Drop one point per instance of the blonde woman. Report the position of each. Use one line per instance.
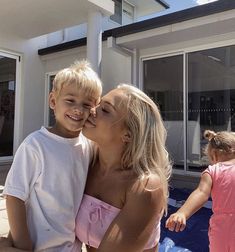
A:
(127, 186)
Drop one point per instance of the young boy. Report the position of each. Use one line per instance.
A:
(46, 181)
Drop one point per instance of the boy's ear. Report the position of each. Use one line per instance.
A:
(126, 138)
(52, 100)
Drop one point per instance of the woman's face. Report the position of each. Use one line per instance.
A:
(108, 126)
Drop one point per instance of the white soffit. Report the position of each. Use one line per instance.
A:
(211, 25)
(32, 18)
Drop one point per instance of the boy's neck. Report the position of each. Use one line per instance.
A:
(63, 132)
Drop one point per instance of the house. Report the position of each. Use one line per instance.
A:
(28, 26)
(184, 60)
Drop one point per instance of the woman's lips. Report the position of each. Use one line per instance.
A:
(89, 123)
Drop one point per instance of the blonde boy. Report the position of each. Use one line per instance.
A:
(45, 184)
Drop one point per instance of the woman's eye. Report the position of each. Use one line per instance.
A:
(87, 106)
(104, 110)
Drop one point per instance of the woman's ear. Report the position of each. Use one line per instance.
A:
(126, 138)
(52, 100)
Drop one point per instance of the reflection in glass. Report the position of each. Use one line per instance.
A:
(163, 82)
(211, 99)
(51, 112)
(7, 105)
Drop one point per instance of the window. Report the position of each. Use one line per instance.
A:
(211, 99)
(205, 100)
(123, 12)
(163, 82)
(117, 16)
(49, 113)
(127, 13)
(7, 104)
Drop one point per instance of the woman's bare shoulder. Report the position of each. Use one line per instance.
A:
(147, 191)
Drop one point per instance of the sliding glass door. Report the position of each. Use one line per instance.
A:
(7, 104)
(195, 91)
(211, 99)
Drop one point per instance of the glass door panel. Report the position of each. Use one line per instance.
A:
(7, 104)
(211, 99)
(163, 82)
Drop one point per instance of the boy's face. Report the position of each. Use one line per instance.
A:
(71, 108)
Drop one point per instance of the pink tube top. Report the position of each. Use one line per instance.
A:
(94, 218)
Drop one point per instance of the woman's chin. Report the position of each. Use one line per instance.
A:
(86, 131)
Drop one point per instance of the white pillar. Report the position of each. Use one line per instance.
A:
(94, 40)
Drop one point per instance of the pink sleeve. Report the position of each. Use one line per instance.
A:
(210, 170)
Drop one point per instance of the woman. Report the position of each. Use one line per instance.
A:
(126, 190)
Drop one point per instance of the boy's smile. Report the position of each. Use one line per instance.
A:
(71, 108)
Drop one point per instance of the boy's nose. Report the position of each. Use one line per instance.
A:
(78, 110)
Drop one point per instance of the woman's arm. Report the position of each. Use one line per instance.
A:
(18, 224)
(195, 201)
(132, 228)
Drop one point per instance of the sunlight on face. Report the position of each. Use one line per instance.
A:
(108, 125)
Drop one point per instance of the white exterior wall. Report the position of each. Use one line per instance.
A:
(115, 68)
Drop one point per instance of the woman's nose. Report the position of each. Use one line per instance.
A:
(93, 111)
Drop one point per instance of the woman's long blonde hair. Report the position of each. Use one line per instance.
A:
(146, 152)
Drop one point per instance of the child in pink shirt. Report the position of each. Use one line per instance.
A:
(218, 180)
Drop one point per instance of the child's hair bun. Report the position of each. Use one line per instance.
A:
(209, 134)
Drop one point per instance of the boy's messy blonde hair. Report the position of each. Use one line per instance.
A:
(80, 74)
(146, 152)
(222, 142)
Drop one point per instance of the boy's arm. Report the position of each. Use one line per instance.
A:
(195, 201)
(18, 223)
(6, 245)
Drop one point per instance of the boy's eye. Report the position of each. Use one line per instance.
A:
(69, 100)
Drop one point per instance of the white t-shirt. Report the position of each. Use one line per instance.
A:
(49, 173)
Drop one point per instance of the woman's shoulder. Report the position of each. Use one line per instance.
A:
(147, 191)
(150, 183)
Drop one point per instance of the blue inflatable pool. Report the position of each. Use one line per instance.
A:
(195, 236)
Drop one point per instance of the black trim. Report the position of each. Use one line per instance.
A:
(63, 46)
(172, 18)
(163, 3)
